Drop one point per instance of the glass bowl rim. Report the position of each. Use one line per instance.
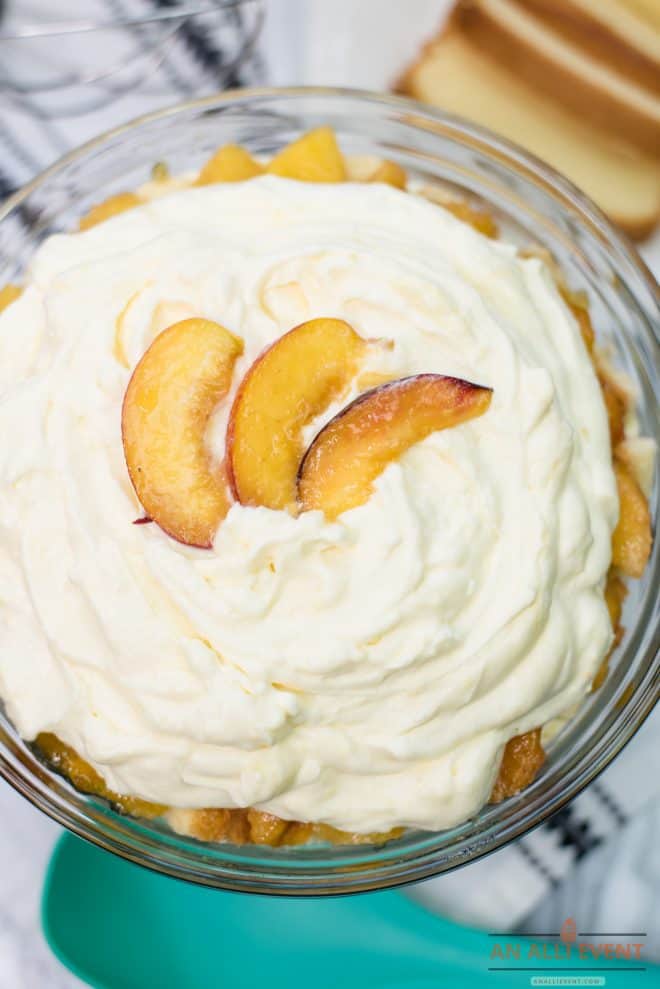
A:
(488, 139)
(123, 837)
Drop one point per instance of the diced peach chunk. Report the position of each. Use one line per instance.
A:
(638, 453)
(391, 174)
(288, 386)
(175, 387)
(238, 830)
(632, 538)
(314, 157)
(266, 829)
(231, 163)
(8, 294)
(109, 207)
(523, 757)
(477, 218)
(481, 221)
(338, 470)
(602, 673)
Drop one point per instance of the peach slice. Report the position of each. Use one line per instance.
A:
(391, 174)
(478, 218)
(300, 833)
(616, 406)
(109, 207)
(175, 387)
(85, 778)
(8, 294)
(615, 594)
(578, 303)
(523, 757)
(288, 385)
(232, 163)
(266, 829)
(632, 538)
(338, 470)
(314, 157)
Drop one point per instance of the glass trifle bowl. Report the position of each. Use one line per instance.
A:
(533, 206)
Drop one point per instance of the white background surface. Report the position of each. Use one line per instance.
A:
(617, 887)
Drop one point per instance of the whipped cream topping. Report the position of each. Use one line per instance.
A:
(365, 672)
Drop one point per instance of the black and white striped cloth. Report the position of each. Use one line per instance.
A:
(498, 892)
(199, 57)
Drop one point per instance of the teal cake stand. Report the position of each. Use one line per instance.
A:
(118, 926)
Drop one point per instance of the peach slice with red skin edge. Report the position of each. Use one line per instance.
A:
(288, 385)
(177, 384)
(340, 466)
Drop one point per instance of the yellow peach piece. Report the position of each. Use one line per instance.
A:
(266, 829)
(578, 303)
(523, 757)
(314, 157)
(231, 163)
(391, 174)
(203, 823)
(616, 405)
(638, 453)
(360, 168)
(288, 386)
(109, 207)
(632, 538)
(8, 294)
(175, 387)
(481, 221)
(586, 327)
(615, 595)
(297, 833)
(238, 830)
(338, 470)
(477, 218)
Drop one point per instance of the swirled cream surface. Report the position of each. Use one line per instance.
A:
(365, 672)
